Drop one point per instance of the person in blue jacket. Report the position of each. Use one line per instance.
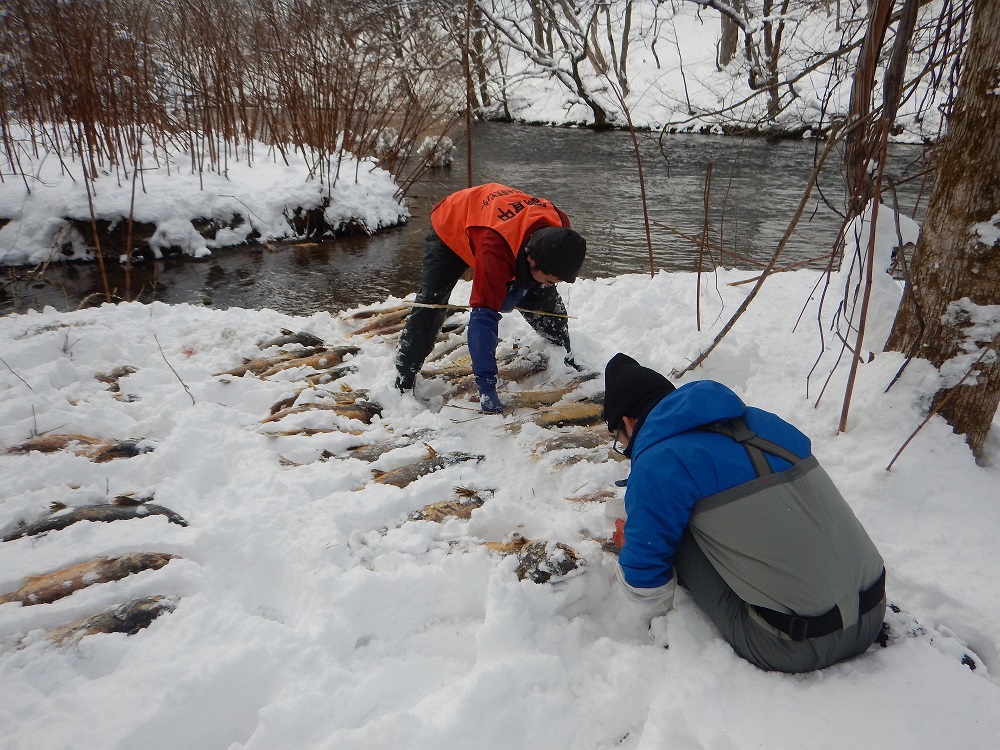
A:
(729, 501)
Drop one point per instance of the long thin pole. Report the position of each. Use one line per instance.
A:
(466, 62)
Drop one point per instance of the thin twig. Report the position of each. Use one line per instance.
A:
(456, 406)
(172, 369)
(16, 375)
(701, 246)
(789, 267)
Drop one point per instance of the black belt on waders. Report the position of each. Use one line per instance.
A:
(795, 627)
(800, 628)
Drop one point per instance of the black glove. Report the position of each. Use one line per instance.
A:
(570, 361)
(404, 382)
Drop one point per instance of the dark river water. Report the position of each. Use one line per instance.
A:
(754, 190)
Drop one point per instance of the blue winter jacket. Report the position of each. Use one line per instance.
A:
(674, 464)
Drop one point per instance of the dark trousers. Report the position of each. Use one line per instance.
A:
(756, 642)
(440, 272)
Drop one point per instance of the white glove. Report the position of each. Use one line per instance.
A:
(655, 602)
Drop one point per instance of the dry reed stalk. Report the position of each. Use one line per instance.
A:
(105, 85)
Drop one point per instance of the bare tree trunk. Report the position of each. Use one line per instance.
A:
(541, 19)
(956, 266)
(478, 53)
(730, 40)
(772, 34)
(863, 141)
(623, 55)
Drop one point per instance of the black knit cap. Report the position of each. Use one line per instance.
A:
(558, 251)
(630, 389)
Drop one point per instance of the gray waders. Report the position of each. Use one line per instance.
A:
(782, 566)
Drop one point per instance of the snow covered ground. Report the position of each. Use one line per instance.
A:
(310, 612)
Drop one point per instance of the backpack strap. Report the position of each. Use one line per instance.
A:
(755, 446)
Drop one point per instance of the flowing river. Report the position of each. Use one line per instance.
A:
(753, 190)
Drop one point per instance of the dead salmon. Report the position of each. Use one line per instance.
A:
(374, 451)
(512, 545)
(508, 364)
(328, 376)
(579, 440)
(547, 397)
(433, 461)
(374, 311)
(98, 450)
(300, 338)
(565, 461)
(344, 396)
(363, 411)
(284, 403)
(513, 367)
(523, 366)
(301, 431)
(545, 562)
(129, 618)
(457, 368)
(259, 364)
(460, 506)
(601, 496)
(104, 513)
(45, 589)
(446, 349)
(540, 561)
(321, 360)
(580, 413)
(389, 330)
(380, 323)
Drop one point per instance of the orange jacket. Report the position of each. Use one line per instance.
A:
(512, 214)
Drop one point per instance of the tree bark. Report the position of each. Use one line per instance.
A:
(862, 141)
(730, 39)
(623, 59)
(953, 260)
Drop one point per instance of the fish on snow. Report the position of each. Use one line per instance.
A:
(431, 462)
(50, 587)
(105, 513)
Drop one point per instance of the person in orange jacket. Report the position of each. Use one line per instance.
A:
(518, 247)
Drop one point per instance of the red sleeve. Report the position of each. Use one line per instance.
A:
(495, 266)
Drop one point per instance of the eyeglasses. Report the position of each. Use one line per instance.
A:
(615, 446)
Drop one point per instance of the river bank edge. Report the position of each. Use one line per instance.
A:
(84, 236)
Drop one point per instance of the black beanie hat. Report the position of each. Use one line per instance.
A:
(630, 389)
(558, 251)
